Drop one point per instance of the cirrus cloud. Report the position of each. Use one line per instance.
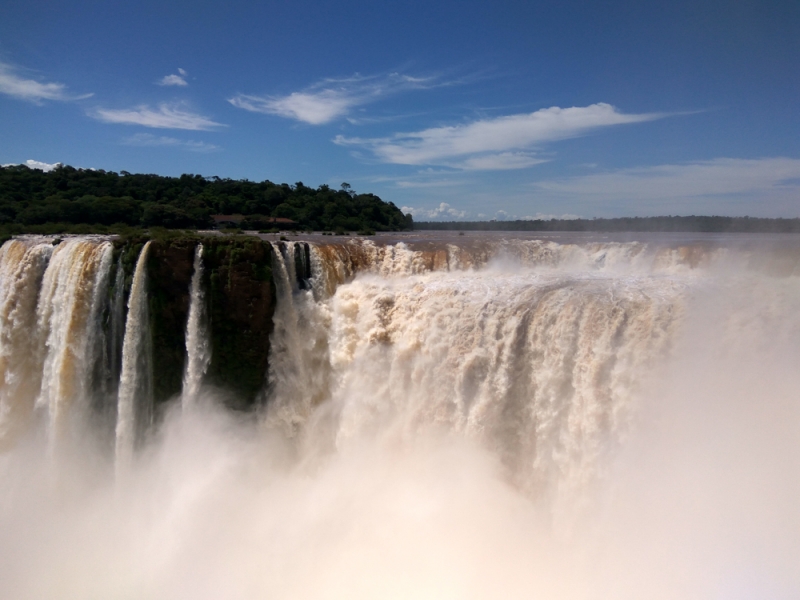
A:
(701, 178)
(11, 84)
(166, 116)
(331, 99)
(150, 140)
(767, 186)
(498, 143)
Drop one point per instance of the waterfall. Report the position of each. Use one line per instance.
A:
(198, 349)
(68, 310)
(539, 364)
(117, 323)
(298, 377)
(22, 266)
(573, 419)
(134, 404)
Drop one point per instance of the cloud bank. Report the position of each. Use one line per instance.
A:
(166, 116)
(35, 164)
(331, 99)
(498, 143)
(18, 87)
(443, 212)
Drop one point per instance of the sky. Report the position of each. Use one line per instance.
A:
(453, 110)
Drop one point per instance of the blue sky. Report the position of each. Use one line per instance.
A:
(452, 109)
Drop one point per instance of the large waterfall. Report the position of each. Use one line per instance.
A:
(480, 416)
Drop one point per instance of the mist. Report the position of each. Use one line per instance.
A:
(649, 452)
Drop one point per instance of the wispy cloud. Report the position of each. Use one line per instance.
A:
(497, 143)
(546, 217)
(35, 164)
(15, 86)
(148, 139)
(331, 99)
(731, 177)
(166, 116)
(179, 79)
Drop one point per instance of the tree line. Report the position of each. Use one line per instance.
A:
(690, 224)
(33, 200)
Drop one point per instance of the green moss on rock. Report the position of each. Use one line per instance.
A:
(240, 304)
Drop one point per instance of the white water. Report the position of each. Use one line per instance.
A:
(68, 310)
(134, 411)
(198, 347)
(541, 365)
(298, 370)
(117, 323)
(22, 267)
(517, 420)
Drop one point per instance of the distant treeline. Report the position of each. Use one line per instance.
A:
(32, 200)
(698, 224)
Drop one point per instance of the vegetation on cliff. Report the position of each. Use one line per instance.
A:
(240, 300)
(66, 198)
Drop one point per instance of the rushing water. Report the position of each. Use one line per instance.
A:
(478, 417)
(134, 410)
(198, 348)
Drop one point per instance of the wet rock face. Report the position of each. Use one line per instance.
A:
(169, 271)
(240, 304)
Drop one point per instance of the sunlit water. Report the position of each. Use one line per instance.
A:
(465, 417)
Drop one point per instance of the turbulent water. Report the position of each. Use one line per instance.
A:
(198, 351)
(476, 417)
(134, 406)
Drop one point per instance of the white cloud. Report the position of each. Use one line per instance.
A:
(165, 117)
(15, 86)
(172, 80)
(444, 210)
(699, 186)
(35, 164)
(314, 109)
(497, 143)
(148, 139)
(331, 99)
(179, 79)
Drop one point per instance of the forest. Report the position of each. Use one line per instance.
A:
(67, 199)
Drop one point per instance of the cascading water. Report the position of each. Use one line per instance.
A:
(134, 404)
(490, 416)
(117, 323)
(70, 302)
(298, 373)
(22, 266)
(539, 365)
(198, 348)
